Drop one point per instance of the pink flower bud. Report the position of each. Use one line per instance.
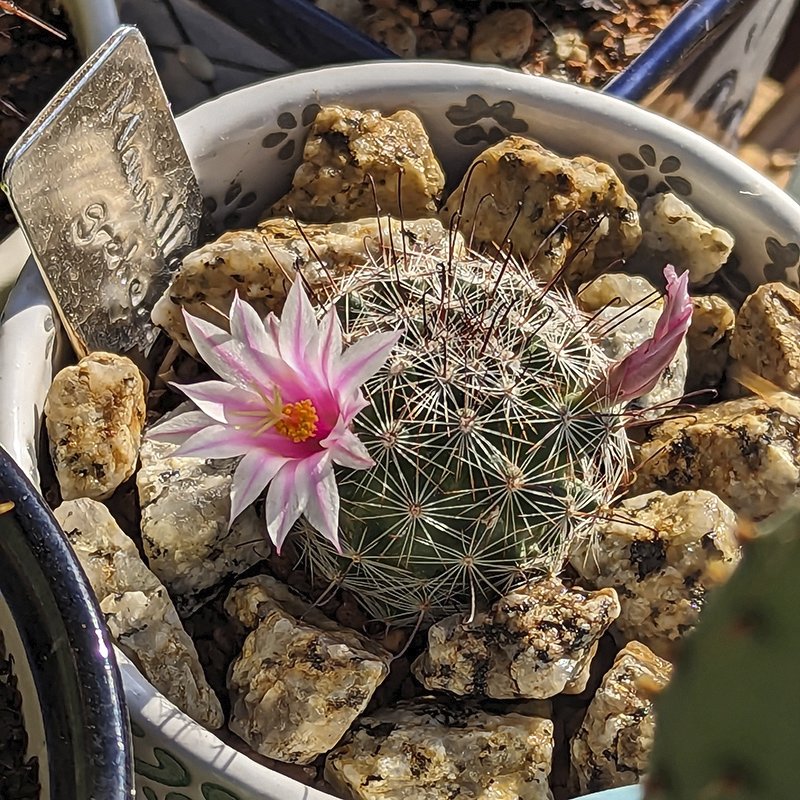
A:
(639, 371)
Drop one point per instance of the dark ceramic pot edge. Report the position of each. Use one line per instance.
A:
(102, 708)
(275, 24)
(697, 23)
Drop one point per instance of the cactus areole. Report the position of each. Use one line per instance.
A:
(468, 407)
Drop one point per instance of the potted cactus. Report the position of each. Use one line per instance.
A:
(438, 398)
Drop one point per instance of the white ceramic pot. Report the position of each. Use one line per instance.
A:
(245, 147)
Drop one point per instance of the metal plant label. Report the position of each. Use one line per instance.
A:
(105, 194)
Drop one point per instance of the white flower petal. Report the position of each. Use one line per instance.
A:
(221, 401)
(244, 367)
(215, 441)
(252, 475)
(272, 326)
(220, 351)
(351, 406)
(346, 448)
(330, 342)
(363, 359)
(286, 499)
(298, 327)
(247, 327)
(179, 428)
(322, 508)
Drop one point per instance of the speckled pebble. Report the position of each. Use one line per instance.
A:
(536, 642)
(708, 342)
(259, 263)
(662, 554)
(349, 11)
(353, 159)
(672, 231)
(618, 290)
(94, 414)
(390, 29)
(766, 339)
(140, 614)
(613, 745)
(185, 511)
(747, 452)
(297, 685)
(435, 751)
(570, 213)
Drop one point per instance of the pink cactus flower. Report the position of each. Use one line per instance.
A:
(287, 396)
(639, 371)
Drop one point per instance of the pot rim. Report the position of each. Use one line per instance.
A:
(456, 77)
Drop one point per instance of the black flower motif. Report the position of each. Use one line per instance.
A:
(475, 134)
(782, 258)
(233, 203)
(287, 134)
(661, 174)
(476, 109)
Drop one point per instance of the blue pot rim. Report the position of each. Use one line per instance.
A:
(698, 23)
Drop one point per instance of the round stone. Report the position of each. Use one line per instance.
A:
(196, 63)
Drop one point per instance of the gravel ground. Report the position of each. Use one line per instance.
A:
(19, 778)
(583, 41)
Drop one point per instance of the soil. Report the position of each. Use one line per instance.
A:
(19, 777)
(34, 65)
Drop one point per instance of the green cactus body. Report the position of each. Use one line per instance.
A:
(490, 454)
(729, 722)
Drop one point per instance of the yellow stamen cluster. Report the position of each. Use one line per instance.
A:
(298, 421)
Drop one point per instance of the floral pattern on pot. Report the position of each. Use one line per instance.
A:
(462, 120)
(157, 769)
(226, 210)
(655, 175)
(783, 258)
(285, 137)
(234, 202)
(475, 109)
